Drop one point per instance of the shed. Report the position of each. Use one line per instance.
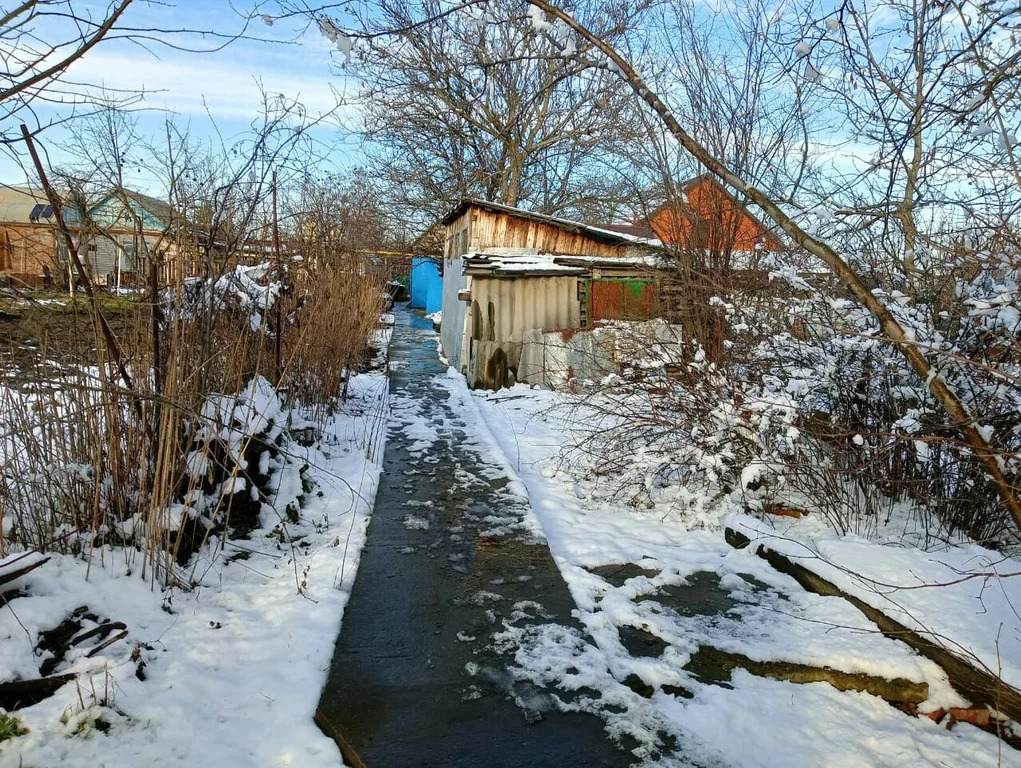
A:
(508, 296)
(520, 264)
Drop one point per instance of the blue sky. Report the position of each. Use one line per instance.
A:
(213, 92)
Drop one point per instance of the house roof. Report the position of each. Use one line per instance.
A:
(18, 203)
(159, 210)
(689, 184)
(598, 234)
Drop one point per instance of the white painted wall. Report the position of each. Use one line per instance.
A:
(452, 323)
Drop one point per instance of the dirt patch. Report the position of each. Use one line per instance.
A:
(51, 335)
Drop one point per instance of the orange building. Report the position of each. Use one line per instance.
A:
(708, 216)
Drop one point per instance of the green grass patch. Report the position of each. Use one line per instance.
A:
(60, 303)
(10, 727)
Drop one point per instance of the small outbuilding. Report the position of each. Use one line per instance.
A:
(512, 298)
(507, 271)
(513, 279)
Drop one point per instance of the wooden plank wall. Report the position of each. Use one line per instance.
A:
(491, 229)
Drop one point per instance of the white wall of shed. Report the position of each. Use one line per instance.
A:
(454, 312)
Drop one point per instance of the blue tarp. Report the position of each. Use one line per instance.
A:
(426, 284)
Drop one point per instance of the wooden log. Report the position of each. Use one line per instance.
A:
(11, 594)
(736, 539)
(17, 573)
(980, 686)
(103, 630)
(897, 690)
(119, 636)
(24, 693)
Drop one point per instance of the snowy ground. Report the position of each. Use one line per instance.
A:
(233, 668)
(965, 596)
(749, 609)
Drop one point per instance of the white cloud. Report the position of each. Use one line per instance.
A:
(226, 83)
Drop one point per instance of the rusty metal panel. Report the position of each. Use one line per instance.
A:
(622, 300)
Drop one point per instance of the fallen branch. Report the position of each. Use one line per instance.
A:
(119, 636)
(897, 690)
(102, 629)
(17, 573)
(25, 693)
(980, 686)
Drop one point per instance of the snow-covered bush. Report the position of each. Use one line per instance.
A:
(810, 409)
(249, 290)
(190, 453)
(77, 474)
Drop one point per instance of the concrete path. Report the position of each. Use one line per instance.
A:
(449, 555)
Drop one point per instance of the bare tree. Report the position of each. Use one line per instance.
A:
(41, 40)
(921, 99)
(460, 102)
(892, 328)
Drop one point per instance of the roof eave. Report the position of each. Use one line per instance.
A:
(601, 236)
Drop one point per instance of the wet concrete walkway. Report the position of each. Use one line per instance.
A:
(449, 558)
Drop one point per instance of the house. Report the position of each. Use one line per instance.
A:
(28, 250)
(705, 215)
(118, 238)
(507, 271)
(125, 233)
